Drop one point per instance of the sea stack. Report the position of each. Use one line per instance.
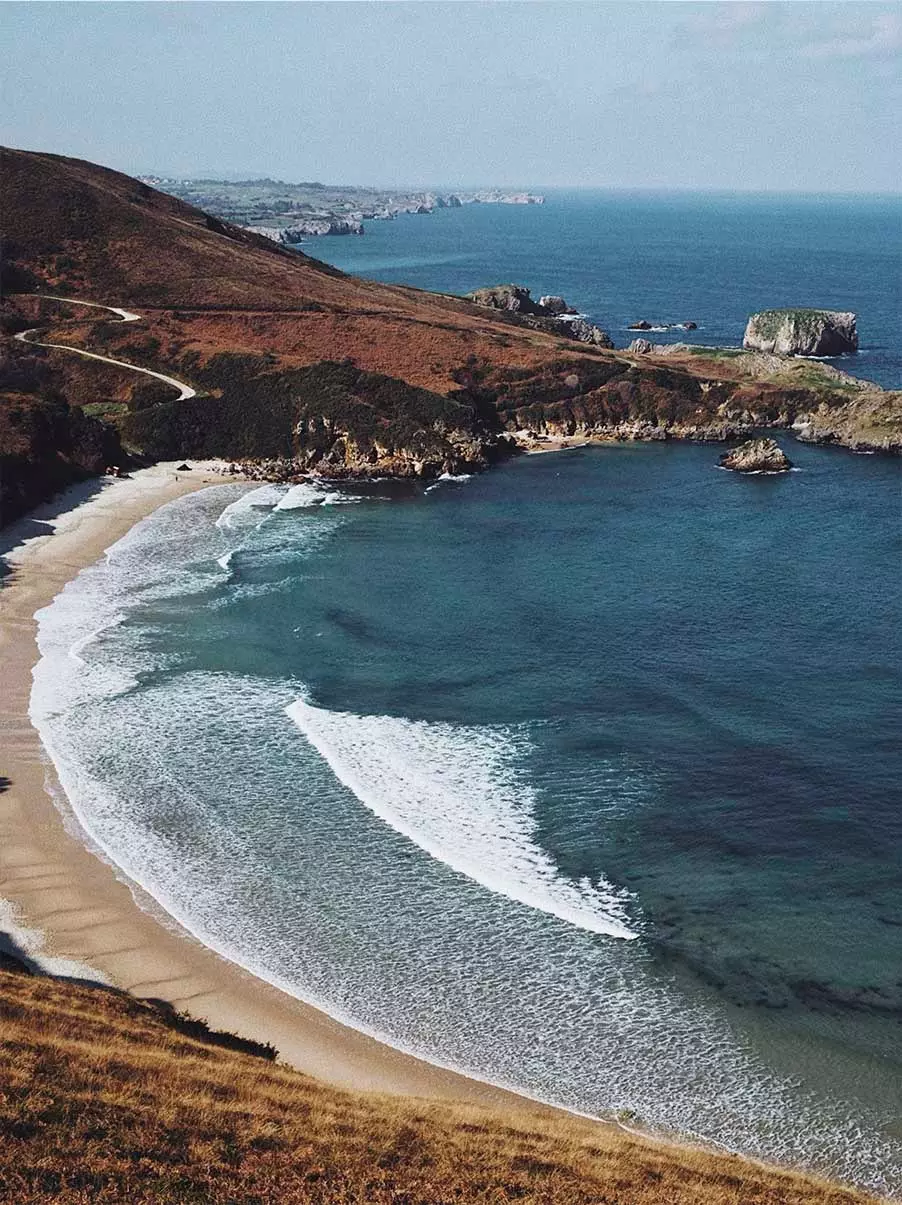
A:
(756, 456)
(802, 332)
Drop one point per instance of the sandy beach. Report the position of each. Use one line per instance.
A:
(66, 907)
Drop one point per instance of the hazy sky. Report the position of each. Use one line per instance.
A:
(669, 94)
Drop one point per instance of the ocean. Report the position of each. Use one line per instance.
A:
(580, 776)
(709, 258)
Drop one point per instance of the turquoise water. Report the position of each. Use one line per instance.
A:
(580, 776)
(666, 257)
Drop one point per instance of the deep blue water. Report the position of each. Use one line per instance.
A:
(709, 258)
(580, 776)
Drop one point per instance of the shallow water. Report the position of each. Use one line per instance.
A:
(579, 776)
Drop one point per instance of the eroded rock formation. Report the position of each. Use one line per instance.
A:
(798, 332)
(756, 456)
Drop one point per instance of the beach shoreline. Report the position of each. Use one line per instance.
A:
(68, 909)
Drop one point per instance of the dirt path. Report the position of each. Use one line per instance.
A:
(185, 391)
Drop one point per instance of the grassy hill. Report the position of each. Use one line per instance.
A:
(104, 1098)
(294, 360)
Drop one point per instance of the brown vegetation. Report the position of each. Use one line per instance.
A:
(205, 288)
(103, 1098)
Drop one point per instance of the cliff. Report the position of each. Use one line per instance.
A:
(802, 332)
(104, 1097)
(330, 417)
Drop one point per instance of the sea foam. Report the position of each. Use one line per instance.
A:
(454, 792)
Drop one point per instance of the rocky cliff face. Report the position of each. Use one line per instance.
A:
(802, 332)
(309, 227)
(330, 418)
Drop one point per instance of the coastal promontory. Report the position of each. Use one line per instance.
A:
(550, 313)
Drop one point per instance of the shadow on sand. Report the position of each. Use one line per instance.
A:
(42, 520)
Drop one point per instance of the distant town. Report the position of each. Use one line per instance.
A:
(291, 213)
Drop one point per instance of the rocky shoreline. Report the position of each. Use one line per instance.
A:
(291, 213)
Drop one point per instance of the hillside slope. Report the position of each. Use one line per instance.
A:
(104, 1098)
(295, 361)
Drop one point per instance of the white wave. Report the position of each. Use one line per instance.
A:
(246, 510)
(307, 494)
(453, 791)
(300, 496)
(346, 499)
(78, 647)
(445, 477)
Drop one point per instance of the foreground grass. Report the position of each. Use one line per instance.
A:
(103, 1099)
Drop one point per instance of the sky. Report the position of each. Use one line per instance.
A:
(801, 96)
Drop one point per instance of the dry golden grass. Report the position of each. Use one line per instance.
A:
(102, 1101)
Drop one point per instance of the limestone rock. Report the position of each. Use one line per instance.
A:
(548, 314)
(802, 332)
(757, 456)
(639, 347)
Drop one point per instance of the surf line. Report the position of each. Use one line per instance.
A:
(447, 790)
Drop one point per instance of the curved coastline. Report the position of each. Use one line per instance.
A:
(97, 922)
(73, 910)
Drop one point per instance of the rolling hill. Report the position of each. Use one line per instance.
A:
(295, 364)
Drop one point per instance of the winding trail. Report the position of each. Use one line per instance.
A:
(185, 391)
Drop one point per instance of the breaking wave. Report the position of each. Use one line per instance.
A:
(454, 792)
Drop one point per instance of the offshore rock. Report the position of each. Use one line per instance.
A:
(757, 456)
(802, 332)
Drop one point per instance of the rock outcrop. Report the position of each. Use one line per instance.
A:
(515, 299)
(549, 313)
(756, 456)
(800, 332)
(644, 325)
(555, 306)
(585, 332)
